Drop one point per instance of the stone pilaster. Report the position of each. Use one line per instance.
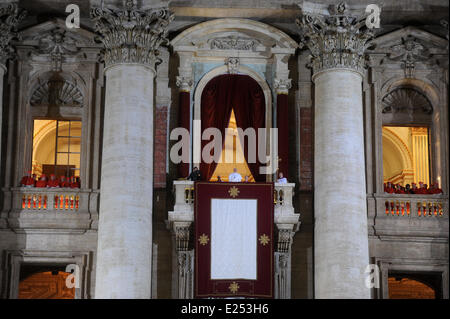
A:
(10, 17)
(337, 42)
(131, 38)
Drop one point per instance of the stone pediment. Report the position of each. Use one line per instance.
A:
(56, 31)
(409, 38)
(231, 35)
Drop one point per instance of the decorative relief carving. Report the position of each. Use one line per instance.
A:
(182, 237)
(337, 40)
(233, 65)
(131, 35)
(282, 86)
(10, 17)
(185, 83)
(284, 240)
(57, 92)
(233, 43)
(409, 52)
(406, 100)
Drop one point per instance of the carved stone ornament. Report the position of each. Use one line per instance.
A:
(57, 92)
(233, 65)
(338, 40)
(233, 43)
(57, 43)
(406, 100)
(184, 83)
(282, 86)
(10, 17)
(409, 52)
(131, 35)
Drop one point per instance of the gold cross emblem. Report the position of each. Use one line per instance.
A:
(234, 287)
(233, 191)
(203, 239)
(264, 239)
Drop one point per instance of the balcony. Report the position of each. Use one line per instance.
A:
(284, 215)
(180, 222)
(407, 216)
(52, 210)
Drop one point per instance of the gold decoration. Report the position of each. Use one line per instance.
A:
(234, 287)
(264, 239)
(203, 239)
(234, 191)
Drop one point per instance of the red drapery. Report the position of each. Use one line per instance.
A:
(242, 94)
(184, 121)
(283, 134)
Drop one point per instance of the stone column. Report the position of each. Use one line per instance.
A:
(10, 17)
(337, 43)
(131, 39)
(184, 115)
(282, 87)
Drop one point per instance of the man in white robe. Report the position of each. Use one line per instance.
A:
(281, 179)
(235, 176)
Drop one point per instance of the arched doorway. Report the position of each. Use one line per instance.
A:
(233, 101)
(414, 286)
(44, 282)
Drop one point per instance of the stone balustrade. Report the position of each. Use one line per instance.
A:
(52, 209)
(409, 217)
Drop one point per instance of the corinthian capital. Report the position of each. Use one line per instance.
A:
(10, 17)
(131, 35)
(184, 83)
(336, 40)
(282, 85)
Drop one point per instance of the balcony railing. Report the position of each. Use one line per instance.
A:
(413, 206)
(50, 208)
(409, 216)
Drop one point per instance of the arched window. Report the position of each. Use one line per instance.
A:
(406, 137)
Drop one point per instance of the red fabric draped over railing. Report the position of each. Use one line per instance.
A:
(242, 94)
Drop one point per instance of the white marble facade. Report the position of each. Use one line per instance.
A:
(137, 243)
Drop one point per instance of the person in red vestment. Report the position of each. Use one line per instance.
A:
(63, 182)
(74, 182)
(42, 182)
(413, 188)
(53, 182)
(389, 188)
(27, 180)
(421, 189)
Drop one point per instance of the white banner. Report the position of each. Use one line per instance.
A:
(233, 239)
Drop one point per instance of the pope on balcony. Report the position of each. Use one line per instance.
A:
(235, 176)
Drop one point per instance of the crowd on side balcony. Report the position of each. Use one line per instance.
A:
(30, 180)
(423, 189)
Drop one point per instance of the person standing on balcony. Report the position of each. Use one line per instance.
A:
(196, 175)
(63, 182)
(235, 176)
(42, 182)
(74, 182)
(281, 179)
(27, 180)
(53, 182)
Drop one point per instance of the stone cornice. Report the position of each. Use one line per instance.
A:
(337, 40)
(10, 17)
(131, 35)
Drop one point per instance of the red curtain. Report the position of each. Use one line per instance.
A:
(283, 134)
(242, 94)
(184, 121)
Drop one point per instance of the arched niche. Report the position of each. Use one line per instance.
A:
(258, 50)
